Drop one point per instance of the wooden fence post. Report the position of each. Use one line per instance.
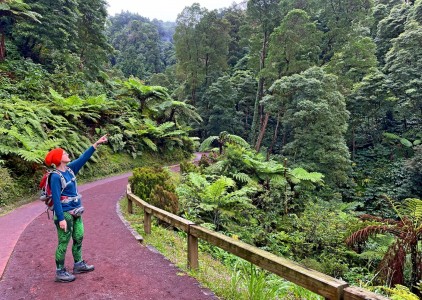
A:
(129, 200)
(192, 252)
(147, 221)
(129, 205)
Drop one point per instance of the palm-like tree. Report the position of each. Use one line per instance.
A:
(407, 233)
(148, 96)
(10, 11)
(222, 139)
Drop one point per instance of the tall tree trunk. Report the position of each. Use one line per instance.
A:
(353, 143)
(270, 150)
(259, 93)
(254, 126)
(262, 132)
(416, 272)
(2, 47)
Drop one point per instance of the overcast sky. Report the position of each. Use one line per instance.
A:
(165, 10)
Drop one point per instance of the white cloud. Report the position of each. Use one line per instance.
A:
(165, 10)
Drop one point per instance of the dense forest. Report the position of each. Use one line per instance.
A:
(312, 111)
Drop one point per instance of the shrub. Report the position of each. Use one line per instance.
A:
(154, 185)
(6, 187)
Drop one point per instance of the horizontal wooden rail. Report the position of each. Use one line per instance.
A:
(319, 283)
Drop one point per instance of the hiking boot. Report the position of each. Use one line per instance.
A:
(63, 276)
(82, 267)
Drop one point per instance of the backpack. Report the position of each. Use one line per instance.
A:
(45, 189)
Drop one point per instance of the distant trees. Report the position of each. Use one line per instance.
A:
(10, 12)
(142, 46)
(315, 120)
(201, 44)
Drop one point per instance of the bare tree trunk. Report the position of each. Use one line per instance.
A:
(353, 144)
(258, 108)
(2, 47)
(270, 150)
(262, 132)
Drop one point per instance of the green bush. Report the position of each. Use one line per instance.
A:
(154, 185)
(6, 187)
(188, 167)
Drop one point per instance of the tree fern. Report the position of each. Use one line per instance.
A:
(242, 177)
(407, 233)
(302, 174)
(149, 143)
(206, 144)
(222, 139)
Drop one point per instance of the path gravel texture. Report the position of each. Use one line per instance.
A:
(124, 268)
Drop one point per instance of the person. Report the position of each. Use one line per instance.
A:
(68, 208)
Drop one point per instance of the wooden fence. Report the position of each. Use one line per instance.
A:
(319, 283)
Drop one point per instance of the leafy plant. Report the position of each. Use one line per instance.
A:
(407, 233)
(222, 139)
(154, 185)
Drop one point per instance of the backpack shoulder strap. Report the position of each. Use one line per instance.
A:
(62, 179)
(71, 172)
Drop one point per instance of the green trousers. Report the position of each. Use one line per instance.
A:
(75, 230)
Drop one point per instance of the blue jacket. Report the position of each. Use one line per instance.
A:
(71, 189)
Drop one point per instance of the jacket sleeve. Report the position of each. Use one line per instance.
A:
(56, 190)
(78, 163)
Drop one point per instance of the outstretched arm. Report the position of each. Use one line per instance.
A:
(100, 141)
(78, 163)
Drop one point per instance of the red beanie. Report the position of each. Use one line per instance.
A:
(54, 157)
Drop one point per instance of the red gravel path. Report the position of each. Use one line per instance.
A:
(124, 269)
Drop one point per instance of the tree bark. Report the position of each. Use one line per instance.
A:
(258, 109)
(270, 150)
(262, 132)
(2, 47)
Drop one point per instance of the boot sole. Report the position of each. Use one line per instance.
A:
(64, 280)
(80, 272)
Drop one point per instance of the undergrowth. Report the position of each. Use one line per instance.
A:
(235, 279)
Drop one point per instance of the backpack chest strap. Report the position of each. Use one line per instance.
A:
(66, 199)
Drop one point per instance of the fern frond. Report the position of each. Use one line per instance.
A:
(197, 180)
(302, 174)
(206, 144)
(363, 235)
(242, 177)
(237, 140)
(150, 144)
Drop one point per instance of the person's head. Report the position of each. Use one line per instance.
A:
(56, 157)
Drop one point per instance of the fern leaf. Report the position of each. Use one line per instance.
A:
(242, 177)
(206, 144)
(150, 144)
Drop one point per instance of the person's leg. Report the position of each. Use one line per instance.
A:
(80, 265)
(63, 241)
(77, 236)
(63, 238)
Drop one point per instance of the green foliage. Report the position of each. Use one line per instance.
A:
(188, 167)
(222, 139)
(142, 46)
(155, 186)
(201, 42)
(316, 237)
(300, 40)
(217, 202)
(6, 187)
(400, 292)
(317, 119)
(406, 233)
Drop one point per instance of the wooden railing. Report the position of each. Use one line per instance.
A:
(319, 283)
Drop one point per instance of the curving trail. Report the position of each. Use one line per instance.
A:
(124, 268)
